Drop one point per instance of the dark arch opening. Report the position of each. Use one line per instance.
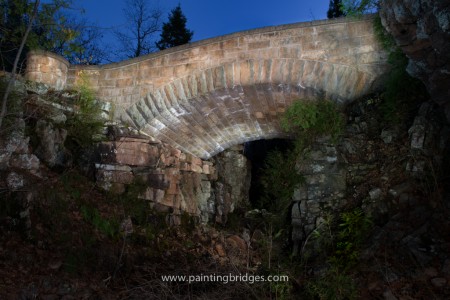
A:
(257, 152)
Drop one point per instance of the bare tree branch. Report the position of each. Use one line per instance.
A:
(144, 22)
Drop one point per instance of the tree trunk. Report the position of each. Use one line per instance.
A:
(16, 62)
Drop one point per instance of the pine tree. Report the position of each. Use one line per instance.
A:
(335, 9)
(174, 32)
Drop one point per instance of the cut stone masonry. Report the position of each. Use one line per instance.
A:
(207, 96)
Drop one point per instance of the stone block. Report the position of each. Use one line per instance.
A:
(205, 169)
(168, 200)
(175, 152)
(300, 193)
(153, 194)
(237, 242)
(173, 188)
(130, 153)
(295, 213)
(24, 161)
(108, 167)
(213, 175)
(113, 187)
(156, 180)
(185, 166)
(196, 168)
(258, 45)
(115, 176)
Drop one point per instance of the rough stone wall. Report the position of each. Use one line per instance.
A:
(233, 183)
(324, 189)
(207, 96)
(374, 167)
(422, 30)
(175, 182)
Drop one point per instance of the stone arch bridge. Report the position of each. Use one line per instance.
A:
(209, 95)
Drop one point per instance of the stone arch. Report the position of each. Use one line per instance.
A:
(206, 96)
(210, 110)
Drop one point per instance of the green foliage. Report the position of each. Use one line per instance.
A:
(335, 9)
(334, 285)
(382, 36)
(352, 233)
(340, 244)
(53, 30)
(355, 8)
(308, 119)
(281, 290)
(107, 227)
(174, 32)
(85, 123)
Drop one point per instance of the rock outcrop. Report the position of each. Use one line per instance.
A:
(380, 169)
(421, 28)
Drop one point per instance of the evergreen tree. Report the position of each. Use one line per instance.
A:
(174, 32)
(335, 9)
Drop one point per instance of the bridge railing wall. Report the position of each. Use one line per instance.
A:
(47, 67)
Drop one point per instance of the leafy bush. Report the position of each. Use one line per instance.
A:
(334, 285)
(340, 244)
(308, 119)
(85, 123)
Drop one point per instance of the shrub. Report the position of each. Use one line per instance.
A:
(308, 119)
(340, 244)
(85, 123)
(333, 285)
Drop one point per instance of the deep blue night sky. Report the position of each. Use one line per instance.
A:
(210, 18)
